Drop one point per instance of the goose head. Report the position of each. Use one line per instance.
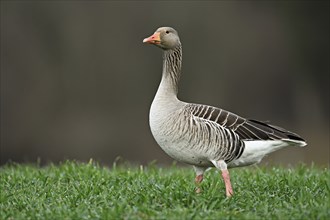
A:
(164, 37)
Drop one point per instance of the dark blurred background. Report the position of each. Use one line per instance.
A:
(77, 82)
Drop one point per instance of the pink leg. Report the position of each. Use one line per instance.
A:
(199, 177)
(226, 178)
(221, 165)
(198, 180)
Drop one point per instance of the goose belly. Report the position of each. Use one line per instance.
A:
(177, 140)
(183, 151)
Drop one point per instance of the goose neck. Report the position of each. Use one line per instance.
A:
(172, 60)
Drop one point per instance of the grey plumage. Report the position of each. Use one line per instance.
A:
(203, 135)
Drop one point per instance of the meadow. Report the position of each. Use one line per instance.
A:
(74, 190)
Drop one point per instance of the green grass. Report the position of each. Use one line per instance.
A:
(74, 190)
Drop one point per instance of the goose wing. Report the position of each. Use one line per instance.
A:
(246, 129)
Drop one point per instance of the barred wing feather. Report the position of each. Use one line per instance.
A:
(247, 129)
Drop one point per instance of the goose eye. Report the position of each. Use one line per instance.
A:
(167, 32)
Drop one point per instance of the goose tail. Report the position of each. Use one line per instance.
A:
(292, 142)
(255, 150)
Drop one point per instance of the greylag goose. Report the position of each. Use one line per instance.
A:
(201, 135)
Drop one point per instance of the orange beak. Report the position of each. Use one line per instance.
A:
(153, 39)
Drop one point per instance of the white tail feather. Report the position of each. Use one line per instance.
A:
(255, 150)
(295, 142)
